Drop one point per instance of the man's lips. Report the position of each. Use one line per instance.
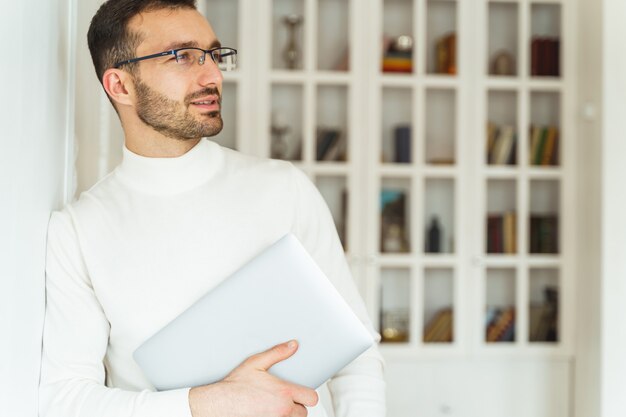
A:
(210, 103)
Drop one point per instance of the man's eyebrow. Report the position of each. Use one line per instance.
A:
(178, 45)
(190, 44)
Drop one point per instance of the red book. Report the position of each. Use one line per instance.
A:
(557, 57)
(534, 57)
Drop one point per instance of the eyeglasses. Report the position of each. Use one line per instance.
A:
(224, 58)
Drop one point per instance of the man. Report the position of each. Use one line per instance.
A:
(176, 217)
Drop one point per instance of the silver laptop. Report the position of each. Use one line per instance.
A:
(279, 295)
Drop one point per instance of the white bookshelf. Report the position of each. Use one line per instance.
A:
(447, 176)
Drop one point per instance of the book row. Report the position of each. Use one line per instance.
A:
(502, 233)
(499, 323)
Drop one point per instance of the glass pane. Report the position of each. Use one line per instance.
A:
(544, 216)
(502, 128)
(395, 216)
(545, 117)
(395, 305)
(441, 37)
(438, 306)
(439, 203)
(545, 42)
(440, 127)
(224, 18)
(398, 38)
(543, 320)
(286, 122)
(503, 39)
(397, 134)
(332, 123)
(500, 308)
(333, 35)
(501, 217)
(288, 23)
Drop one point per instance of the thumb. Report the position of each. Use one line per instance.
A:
(265, 360)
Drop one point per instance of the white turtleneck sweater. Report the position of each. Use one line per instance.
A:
(144, 243)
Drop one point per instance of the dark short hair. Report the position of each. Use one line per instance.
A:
(110, 41)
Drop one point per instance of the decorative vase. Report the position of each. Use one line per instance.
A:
(292, 53)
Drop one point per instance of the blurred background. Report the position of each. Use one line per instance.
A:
(469, 150)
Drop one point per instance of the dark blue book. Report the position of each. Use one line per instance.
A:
(403, 144)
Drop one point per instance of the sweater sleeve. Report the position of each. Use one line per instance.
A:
(76, 333)
(359, 389)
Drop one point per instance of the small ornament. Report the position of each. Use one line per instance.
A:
(503, 64)
(292, 53)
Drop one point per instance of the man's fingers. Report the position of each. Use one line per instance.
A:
(265, 360)
(305, 396)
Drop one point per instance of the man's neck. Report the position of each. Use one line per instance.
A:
(160, 147)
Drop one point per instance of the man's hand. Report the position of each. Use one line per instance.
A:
(250, 391)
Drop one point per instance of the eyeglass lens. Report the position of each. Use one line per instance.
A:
(224, 58)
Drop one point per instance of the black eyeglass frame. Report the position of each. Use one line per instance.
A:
(174, 52)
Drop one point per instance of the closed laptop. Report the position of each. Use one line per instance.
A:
(279, 295)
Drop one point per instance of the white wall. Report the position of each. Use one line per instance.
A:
(98, 131)
(613, 291)
(601, 358)
(36, 119)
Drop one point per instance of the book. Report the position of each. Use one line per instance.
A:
(543, 320)
(513, 153)
(504, 145)
(500, 328)
(544, 233)
(535, 139)
(534, 56)
(538, 155)
(543, 145)
(397, 61)
(545, 56)
(445, 54)
(326, 138)
(402, 139)
(509, 232)
(451, 44)
(492, 134)
(549, 146)
(494, 233)
(444, 330)
(439, 328)
(336, 152)
(557, 56)
(535, 323)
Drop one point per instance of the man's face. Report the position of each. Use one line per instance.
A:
(178, 102)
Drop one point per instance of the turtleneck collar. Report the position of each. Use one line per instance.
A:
(171, 175)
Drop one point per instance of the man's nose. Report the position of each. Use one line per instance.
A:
(209, 73)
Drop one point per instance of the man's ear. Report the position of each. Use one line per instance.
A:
(118, 84)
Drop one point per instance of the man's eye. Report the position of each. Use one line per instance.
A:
(183, 57)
